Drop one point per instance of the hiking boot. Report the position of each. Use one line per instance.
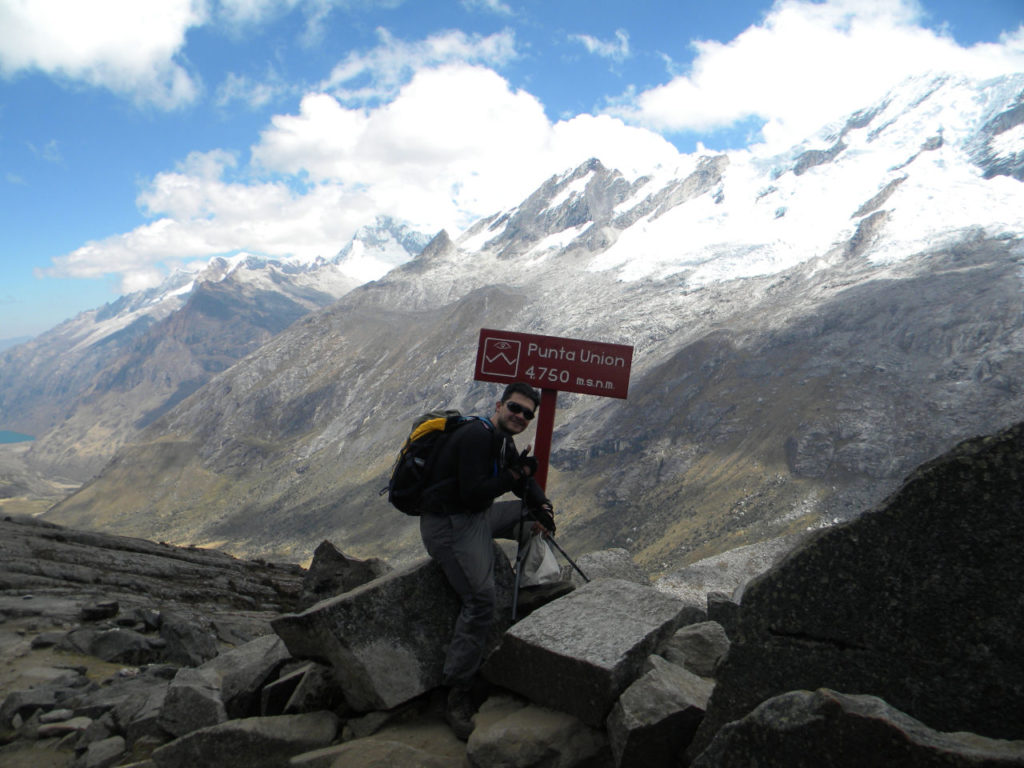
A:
(459, 712)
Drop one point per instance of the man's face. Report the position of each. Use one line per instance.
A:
(507, 419)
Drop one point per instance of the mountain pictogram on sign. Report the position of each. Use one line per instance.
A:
(501, 357)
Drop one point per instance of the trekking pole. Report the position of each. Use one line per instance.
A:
(520, 556)
(571, 561)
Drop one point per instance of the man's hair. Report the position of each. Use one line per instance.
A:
(522, 388)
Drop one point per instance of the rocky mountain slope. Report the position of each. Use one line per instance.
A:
(807, 328)
(88, 385)
(894, 635)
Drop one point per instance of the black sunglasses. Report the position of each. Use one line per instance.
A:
(522, 410)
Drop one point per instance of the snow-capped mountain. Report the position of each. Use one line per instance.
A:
(93, 381)
(937, 156)
(807, 328)
(376, 249)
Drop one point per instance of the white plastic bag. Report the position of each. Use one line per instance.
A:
(539, 563)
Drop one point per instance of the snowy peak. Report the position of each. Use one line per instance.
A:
(376, 249)
(935, 156)
(372, 251)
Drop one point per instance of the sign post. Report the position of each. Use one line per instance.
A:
(553, 364)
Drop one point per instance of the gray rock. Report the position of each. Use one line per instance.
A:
(242, 671)
(193, 701)
(189, 643)
(656, 717)
(697, 647)
(255, 742)
(50, 729)
(917, 602)
(367, 725)
(123, 646)
(97, 730)
(370, 753)
(579, 653)
(52, 560)
(133, 701)
(725, 611)
(274, 695)
(332, 572)
(23, 704)
(532, 736)
(727, 572)
(98, 611)
(144, 723)
(103, 754)
(606, 564)
(801, 729)
(235, 630)
(56, 715)
(47, 639)
(386, 640)
(316, 690)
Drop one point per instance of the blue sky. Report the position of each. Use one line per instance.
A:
(139, 137)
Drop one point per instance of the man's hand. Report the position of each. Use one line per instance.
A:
(545, 515)
(527, 464)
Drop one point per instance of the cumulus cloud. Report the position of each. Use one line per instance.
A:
(376, 75)
(199, 211)
(456, 143)
(429, 132)
(616, 50)
(809, 63)
(126, 46)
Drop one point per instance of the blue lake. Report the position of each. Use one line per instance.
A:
(14, 437)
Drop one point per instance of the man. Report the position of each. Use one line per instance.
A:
(460, 521)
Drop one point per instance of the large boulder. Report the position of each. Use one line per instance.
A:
(387, 639)
(802, 729)
(192, 702)
(254, 742)
(241, 672)
(332, 572)
(657, 716)
(697, 647)
(532, 736)
(917, 602)
(579, 653)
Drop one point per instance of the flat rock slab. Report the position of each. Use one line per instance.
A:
(803, 729)
(255, 742)
(578, 654)
(386, 640)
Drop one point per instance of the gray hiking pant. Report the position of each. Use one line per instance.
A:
(462, 544)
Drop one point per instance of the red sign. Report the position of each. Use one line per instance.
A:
(552, 362)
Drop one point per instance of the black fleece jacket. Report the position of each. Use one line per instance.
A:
(473, 469)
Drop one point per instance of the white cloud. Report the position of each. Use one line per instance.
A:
(375, 76)
(493, 6)
(198, 213)
(50, 152)
(809, 63)
(616, 50)
(260, 11)
(126, 46)
(253, 93)
(456, 143)
(426, 132)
